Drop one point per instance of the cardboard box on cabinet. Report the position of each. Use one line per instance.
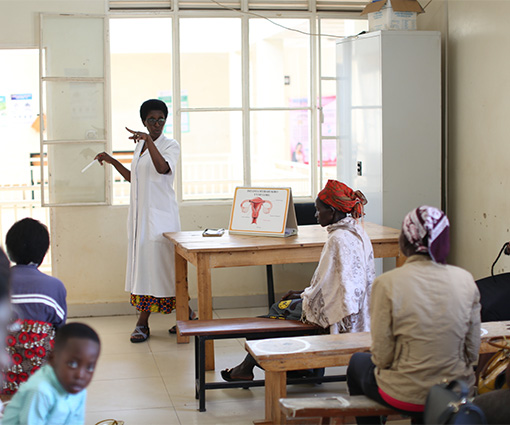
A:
(392, 14)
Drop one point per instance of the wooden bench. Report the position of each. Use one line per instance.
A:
(277, 357)
(310, 352)
(246, 327)
(333, 410)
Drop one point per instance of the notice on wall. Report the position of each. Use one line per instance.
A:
(263, 211)
(22, 108)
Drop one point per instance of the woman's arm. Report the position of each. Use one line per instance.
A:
(473, 334)
(104, 157)
(383, 340)
(158, 160)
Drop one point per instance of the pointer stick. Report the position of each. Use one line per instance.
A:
(88, 166)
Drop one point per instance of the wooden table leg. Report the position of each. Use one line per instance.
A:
(400, 259)
(205, 302)
(181, 294)
(276, 388)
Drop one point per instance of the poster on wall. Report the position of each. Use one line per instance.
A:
(263, 211)
(22, 108)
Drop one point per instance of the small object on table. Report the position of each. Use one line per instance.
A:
(213, 232)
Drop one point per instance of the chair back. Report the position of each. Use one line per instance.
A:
(495, 297)
(305, 213)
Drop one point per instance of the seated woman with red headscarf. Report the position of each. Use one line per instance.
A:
(425, 322)
(337, 298)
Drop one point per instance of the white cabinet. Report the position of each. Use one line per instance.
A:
(389, 120)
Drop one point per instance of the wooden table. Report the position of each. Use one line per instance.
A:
(207, 253)
(277, 356)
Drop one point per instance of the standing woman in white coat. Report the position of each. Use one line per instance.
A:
(150, 272)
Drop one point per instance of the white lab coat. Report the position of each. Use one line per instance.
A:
(153, 210)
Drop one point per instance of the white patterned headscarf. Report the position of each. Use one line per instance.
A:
(428, 230)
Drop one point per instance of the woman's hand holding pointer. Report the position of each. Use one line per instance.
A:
(104, 157)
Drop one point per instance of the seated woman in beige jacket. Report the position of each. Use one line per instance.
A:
(425, 322)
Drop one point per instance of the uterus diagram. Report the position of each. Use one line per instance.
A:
(256, 205)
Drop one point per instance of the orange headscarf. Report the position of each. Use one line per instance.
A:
(343, 198)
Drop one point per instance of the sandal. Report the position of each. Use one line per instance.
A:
(139, 335)
(173, 329)
(110, 422)
(226, 374)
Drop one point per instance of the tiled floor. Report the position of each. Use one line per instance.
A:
(152, 382)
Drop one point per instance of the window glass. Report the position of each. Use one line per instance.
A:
(212, 155)
(141, 69)
(72, 185)
(74, 110)
(279, 62)
(210, 52)
(280, 150)
(332, 30)
(327, 145)
(74, 46)
(73, 105)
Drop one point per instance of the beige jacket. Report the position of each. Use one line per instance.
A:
(425, 325)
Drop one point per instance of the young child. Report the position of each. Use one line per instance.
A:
(56, 393)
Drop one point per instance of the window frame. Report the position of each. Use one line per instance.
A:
(176, 13)
(104, 80)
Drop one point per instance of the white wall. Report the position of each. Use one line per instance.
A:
(89, 255)
(475, 34)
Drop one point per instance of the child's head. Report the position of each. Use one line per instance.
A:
(27, 241)
(74, 356)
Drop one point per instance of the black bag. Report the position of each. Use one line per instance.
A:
(495, 294)
(286, 310)
(448, 404)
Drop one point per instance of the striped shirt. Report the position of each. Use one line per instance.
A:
(37, 296)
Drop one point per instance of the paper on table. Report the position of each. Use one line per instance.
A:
(88, 166)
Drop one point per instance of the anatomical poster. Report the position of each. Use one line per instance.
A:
(263, 211)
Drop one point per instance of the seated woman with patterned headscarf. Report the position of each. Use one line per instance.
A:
(337, 298)
(425, 322)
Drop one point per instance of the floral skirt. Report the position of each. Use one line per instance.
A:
(28, 346)
(153, 304)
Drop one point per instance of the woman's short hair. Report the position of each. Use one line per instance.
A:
(152, 105)
(74, 330)
(27, 241)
